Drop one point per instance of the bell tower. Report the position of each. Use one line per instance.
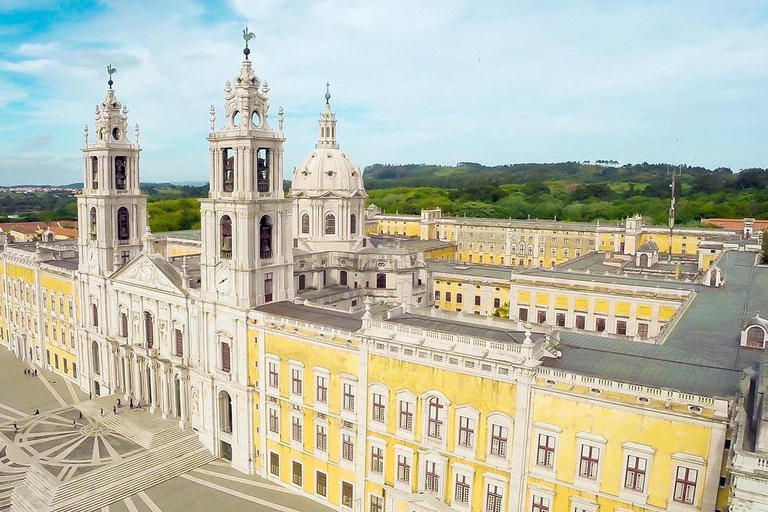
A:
(112, 211)
(247, 258)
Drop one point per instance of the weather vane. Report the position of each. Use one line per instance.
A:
(111, 72)
(247, 36)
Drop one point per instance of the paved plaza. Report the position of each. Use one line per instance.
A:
(70, 439)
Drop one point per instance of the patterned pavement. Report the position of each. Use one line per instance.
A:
(67, 452)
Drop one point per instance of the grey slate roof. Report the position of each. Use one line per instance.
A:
(473, 270)
(311, 314)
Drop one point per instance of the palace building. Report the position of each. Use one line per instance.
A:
(381, 362)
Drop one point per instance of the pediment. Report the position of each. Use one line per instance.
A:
(144, 272)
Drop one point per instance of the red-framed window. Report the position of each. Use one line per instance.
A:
(494, 498)
(297, 381)
(377, 460)
(274, 376)
(349, 397)
(545, 454)
(405, 415)
(321, 389)
(466, 431)
(379, 408)
(403, 469)
(434, 418)
(589, 461)
(499, 436)
(225, 358)
(461, 493)
(540, 504)
(685, 485)
(634, 478)
(432, 478)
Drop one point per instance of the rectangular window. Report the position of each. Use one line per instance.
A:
(274, 421)
(599, 324)
(321, 438)
(522, 314)
(540, 504)
(621, 327)
(347, 491)
(685, 485)
(297, 383)
(123, 325)
(377, 504)
(403, 469)
(379, 408)
(179, 343)
(297, 476)
(560, 319)
(274, 464)
(466, 431)
(642, 331)
(296, 429)
(268, 287)
(462, 489)
(225, 362)
(349, 397)
(434, 419)
(581, 321)
(589, 461)
(477, 300)
(494, 499)
(347, 447)
(321, 389)
(459, 298)
(321, 483)
(541, 317)
(634, 478)
(274, 378)
(377, 460)
(499, 435)
(545, 455)
(432, 479)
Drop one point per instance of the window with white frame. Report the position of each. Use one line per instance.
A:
(377, 503)
(348, 397)
(686, 483)
(545, 452)
(377, 459)
(321, 437)
(589, 460)
(539, 504)
(405, 415)
(321, 386)
(274, 419)
(297, 381)
(404, 462)
(467, 418)
(431, 477)
(494, 497)
(461, 489)
(347, 446)
(435, 411)
(466, 431)
(637, 461)
(499, 427)
(273, 375)
(297, 428)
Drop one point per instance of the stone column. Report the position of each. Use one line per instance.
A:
(165, 408)
(127, 369)
(152, 388)
(183, 380)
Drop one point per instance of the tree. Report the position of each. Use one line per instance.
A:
(765, 246)
(502, 311)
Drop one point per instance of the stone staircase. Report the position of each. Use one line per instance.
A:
(168, 452)
(11, 475)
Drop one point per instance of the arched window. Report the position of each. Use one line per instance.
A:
(262, 170)
(447, 296)
(265, 237)
(305, 224)
(95, 358)
(149, 329)
(225, 227)
(121, 181)
(755, 337)
(330, 224)
(434, 418)
(95, 172)
(225, 412)
(93, 223)
(123, 226)
(353, 223)
(228, 170)
(95, 315)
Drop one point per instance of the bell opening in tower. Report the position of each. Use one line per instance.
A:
(225, 226)
(94, 172)
(123, 225)
(120, 174)
(229, 170)
(93, 223)
(262, 170)
(265, 237)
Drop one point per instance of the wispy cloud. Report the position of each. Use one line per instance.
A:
(412, 81)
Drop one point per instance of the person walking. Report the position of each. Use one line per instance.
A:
(80, 416)
(15, 427)
(114, 409)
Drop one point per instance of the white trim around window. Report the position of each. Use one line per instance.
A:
(347, 407)
(580, 504)
(499, 438)
(431, 462)
(380, 444)
(409, 399)
(319, 372)
(407, 454)
(635, 472)
(685, 461)
(498, 485)
(466, 423)
(592, 442)
(377, 415)
(272, 359)
(466, 475)
(296, 369)
(320, 423)
(550, 434)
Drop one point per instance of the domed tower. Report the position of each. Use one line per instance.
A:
(328, 193)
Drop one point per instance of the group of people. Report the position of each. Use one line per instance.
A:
(30, 371)
(118, 405)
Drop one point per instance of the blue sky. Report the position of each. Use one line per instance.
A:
(412, 80)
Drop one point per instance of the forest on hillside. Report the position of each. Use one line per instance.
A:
(572, 191)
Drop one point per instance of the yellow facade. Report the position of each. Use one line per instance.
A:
(60, 317)
(460, 294)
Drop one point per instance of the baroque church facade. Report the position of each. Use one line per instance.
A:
(304, 351)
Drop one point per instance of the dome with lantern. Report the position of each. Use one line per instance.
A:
(327, 171)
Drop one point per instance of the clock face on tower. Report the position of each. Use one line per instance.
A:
(223, 277)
